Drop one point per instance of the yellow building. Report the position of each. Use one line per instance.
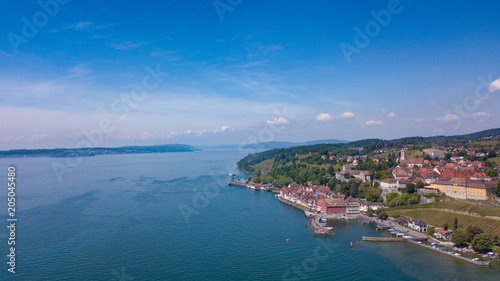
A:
(466, 189)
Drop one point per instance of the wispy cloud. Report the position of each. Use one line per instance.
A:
(82, 25)
(448, 118)
(77, 26)
(277, 121)
(127, 46)
(5, 54)
(373, 123)
(479, 114)
(392, 114)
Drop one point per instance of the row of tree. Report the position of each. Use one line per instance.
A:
(475, 236)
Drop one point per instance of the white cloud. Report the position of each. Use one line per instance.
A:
(448, 118)
(392, 114)
(323, 117)
(373, 123)
(420, 120)
(495, 85)
(38, 137)
(188, 132)
(479, 114)
(82, 25)
(200, 133)
(347, 114)
(278, 121)
(224, 128)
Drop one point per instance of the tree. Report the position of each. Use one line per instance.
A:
(384, 174)
(256, 178)
(492, 154)
(472, 231)
(330, 170)
(420, 184)
(482, 242)
(497, 190)
(455, 224)
(458, 237)
(382, 214)
(445, 226)
(491, 172)
(410, 188)
(430, 231)
(447, 156)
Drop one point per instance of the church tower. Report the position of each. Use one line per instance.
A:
(403, 154)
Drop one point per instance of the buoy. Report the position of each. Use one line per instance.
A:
(287, 240)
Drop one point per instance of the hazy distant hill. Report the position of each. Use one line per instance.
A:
(74, 152)
(368, 145)
(287, 144)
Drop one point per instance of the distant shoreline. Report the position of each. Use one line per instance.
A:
(89, 152)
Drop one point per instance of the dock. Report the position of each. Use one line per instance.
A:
(384, 239)
(235, 183)
(414, 242)
(478, 263)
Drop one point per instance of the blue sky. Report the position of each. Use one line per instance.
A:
(245, 71)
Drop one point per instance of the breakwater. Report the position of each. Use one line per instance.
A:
(478, 263)
(398, 239)
(384, 239)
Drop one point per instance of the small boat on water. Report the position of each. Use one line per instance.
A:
(287, 240)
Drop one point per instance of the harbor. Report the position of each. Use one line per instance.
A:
(317, 222)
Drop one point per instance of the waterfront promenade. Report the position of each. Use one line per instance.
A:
(416, 237)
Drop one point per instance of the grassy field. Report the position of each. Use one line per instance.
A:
(438, 218)
(488, 143)
(479, 208)
(430, 150)
(474, 207)
(496, 160)
(264, 164)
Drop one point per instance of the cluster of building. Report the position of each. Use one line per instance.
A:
(321, 199)
(421, 226)
(459, 178)
(346, 173)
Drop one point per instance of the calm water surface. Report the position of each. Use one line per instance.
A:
(172, 217)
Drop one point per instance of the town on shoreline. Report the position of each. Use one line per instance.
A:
(440, 196)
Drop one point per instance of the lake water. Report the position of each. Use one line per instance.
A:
(172, 216)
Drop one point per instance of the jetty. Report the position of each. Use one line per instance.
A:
(478, 263)
(417, 241)
(237, 183)
(384, 239)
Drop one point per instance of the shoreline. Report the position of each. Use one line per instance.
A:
(416, 236)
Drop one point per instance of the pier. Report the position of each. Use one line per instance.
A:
(240, 184)
(478, 263)
(384, 239)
